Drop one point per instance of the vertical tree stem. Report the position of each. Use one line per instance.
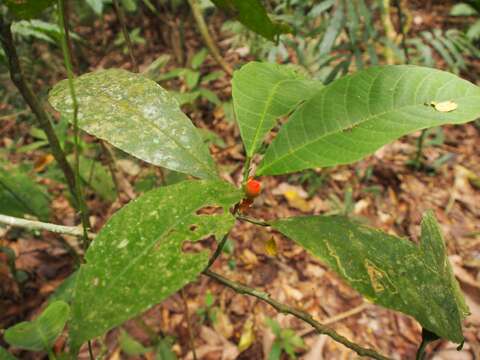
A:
(202, 27)
(401, 24)
(18, 78)
(68, 66)
(126, 35)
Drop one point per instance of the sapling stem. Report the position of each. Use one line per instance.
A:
(123, 24)
(18, 78)
(203, 28)
(68, 65)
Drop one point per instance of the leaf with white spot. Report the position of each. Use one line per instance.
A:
(136, 115)
(136, 260)
(387, 270)
(357, 114)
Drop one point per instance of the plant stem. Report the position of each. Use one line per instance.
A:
(68, 64)
(421, 350)
(253, 221)
(51, 355)
(389, 30)
(417, 162)
(401, 23)
(90, 350)
(203, 28)
(285, 309)
(246, 169)
(33, 102)
(38, 225)
(218, 250)
(126, 35)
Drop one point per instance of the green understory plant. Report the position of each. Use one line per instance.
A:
(137, 259)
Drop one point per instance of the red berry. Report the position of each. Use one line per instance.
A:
(253, 188)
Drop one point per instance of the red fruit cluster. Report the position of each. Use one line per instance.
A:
(252, 188)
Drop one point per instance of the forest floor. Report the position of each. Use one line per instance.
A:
(382, 191)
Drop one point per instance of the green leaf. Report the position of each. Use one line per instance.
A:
(262, 92)
(5, 355)
(20, 195)
(253, 15)
(96, 6)
(387, 270)
(137, 116)
(27, 9)
(130, 346)
(199, 58)
(41, 333)
(356, 115)
(97, 176)
(463, 9)
(136, 260)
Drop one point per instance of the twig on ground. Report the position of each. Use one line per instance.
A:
(285, 309)
(331, 320)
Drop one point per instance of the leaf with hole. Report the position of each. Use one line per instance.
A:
(387, 270)
(262, 92)
(41, 333)
(136, 260)
(138, 116)
(356, 115)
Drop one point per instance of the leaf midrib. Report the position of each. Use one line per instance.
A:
(264, 113)
(291, 151)
(191, 154)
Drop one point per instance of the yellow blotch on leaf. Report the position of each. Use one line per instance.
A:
(444, 106)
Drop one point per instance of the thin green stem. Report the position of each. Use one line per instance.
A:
(253, 221)
(68, 65)
(285, 309)
(421, 350)
(401, 23)
(18, 78)
(218, 250)
(420, 142)
(90, 350)
(51, 355)
(246, 169)
(126, 35)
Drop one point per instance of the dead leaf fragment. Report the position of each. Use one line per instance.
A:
(271, 248)
(444, 106)
(248, 336)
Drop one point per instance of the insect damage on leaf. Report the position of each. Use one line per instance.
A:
(444, 106)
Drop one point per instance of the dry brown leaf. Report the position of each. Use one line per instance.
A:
(223, 325)
(295, 195)
(43, 162)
